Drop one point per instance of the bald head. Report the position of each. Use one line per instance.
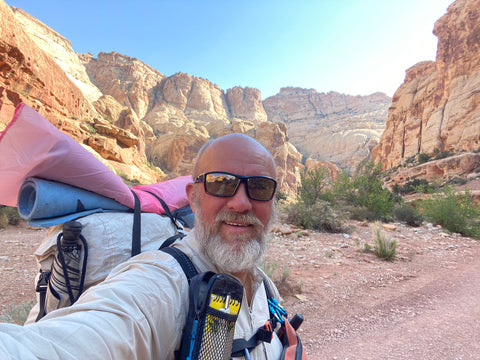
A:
(237, 150)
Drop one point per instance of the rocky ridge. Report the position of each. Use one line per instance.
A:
(124, 111)
(333, 127)
(133, 116)
(437, 108)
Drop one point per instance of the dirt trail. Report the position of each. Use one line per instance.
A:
(423, 305)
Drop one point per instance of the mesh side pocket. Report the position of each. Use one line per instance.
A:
(215, 301)
(217, 335)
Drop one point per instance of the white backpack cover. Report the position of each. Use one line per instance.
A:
(109, 240)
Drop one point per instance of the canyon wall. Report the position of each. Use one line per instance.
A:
(137, 121)
(437, 108)
(333, 127)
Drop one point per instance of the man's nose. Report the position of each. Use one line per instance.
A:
(240, 202)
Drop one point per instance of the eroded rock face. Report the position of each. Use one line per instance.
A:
(246, 103)
(125, 112)
(28, 74)
(438, 171)
(437, 108)
(39, 67)
(128, 80)
(332, 127)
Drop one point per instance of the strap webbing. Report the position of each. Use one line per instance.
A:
(42, 285)
(165, 208)
(137, 227)
(184, 261)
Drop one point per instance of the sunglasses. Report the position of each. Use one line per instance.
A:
(224, 184)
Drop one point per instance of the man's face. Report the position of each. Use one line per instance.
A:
(232, 230)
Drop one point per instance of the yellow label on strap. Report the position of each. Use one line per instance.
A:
(225, 303)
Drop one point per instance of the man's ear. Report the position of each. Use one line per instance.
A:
(190, 189)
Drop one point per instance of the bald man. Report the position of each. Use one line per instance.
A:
(140, 310)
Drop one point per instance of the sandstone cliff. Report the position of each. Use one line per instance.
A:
(39, 67)
(332, 127)
(437, 108)
(128, 114)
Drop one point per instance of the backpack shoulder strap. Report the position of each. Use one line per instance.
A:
(165, 208)
(264, 333)
(137, 227)
(184, 261)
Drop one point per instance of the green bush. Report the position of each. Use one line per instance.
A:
(408, 214)
(443, 155)
(3, 220)
(319, 216)
(360, 213)
(454, 211)
(280, 195)
(384, 247)
(16, 314)
(367, 191)
(423, 158)
(458, 181)
(314, 182)
(411, 186)
(8, 216)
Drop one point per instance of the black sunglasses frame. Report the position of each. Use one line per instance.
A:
(243, 179)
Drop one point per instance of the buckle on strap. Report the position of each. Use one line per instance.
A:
(42, 282)
(241, 347)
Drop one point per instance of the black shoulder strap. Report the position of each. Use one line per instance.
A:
(262, 334)
(165, 208)
(137, 227)
(184, 261)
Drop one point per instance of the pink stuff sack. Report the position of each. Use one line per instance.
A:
(31, 146)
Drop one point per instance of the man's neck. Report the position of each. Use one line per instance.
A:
(246, 279)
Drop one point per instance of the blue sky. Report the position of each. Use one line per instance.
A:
(349, 46)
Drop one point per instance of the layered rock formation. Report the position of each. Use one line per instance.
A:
(332, 127)
(438, 171)
(28, 73)
(128, 114)
(437, 108)
(39, 67)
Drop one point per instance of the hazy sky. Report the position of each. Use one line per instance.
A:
(355, 47)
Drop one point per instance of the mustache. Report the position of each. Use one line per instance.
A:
(243, 218)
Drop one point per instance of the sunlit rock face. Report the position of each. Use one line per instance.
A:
(437, 106)
(333, 127)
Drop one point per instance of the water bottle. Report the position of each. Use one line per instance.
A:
(66, 279)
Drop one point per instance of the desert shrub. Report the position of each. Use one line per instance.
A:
(280, 195)
(408, 214)
(313, 186)
(423, 158)
(360, 213)
(443, 155)
(458, 181)
(364, 190)
(318, 216)
(3, 220)
(411, 186)
(384, 247)
(454, 211)
(8, 216)
(370, 193)
(16, 314)
(126, 179)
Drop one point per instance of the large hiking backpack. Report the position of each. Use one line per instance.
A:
(109, 239)
(114, 237)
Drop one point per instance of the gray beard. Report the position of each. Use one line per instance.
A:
(246, 253)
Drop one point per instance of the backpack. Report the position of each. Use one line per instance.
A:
(151, 231)
(105, 244)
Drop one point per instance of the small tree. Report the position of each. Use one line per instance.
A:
(365, 190)
(454, 211)
(313, 186)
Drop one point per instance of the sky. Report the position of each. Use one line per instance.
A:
(355, 47)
